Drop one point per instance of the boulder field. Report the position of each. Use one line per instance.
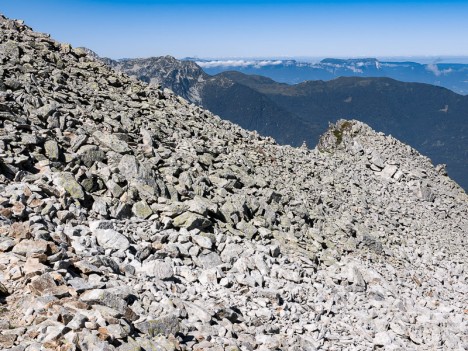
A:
(133, 220)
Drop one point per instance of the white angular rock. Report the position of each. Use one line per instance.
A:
(111, 239)
(157, 269)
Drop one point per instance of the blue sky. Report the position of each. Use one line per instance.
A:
(258, 28)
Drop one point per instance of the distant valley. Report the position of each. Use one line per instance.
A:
(432, 119)
(453, 76)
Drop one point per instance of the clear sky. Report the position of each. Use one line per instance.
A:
(143, 28)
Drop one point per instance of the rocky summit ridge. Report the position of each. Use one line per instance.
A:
(133, 220)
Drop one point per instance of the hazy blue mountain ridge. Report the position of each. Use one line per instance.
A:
(453, 76)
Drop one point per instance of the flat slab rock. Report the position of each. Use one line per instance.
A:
(111, 239)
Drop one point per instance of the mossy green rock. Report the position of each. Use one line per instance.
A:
(142, 210)
(90, 154)
(52, 150)
(164, 325)
(67, 181)
(191, 221)
(88, 184)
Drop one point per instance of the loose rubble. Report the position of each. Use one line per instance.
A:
(133, 220)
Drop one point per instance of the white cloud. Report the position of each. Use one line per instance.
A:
(238, 63)
(432, 67)
(355, 69)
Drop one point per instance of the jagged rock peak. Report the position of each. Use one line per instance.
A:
(183, 76)
(132, 220)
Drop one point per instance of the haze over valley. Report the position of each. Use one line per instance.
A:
(449, 74)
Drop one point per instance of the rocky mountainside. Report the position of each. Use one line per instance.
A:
(433, 120)
(453, 76)
(133, 220)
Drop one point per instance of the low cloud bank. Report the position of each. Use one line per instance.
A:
(238, 63)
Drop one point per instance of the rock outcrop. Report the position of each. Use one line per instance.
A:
(133, 220)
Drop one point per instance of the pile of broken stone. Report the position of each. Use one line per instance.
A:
(133, 220)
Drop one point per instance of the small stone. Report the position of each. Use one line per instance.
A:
(86, 267)
(18, 209)
(77, 322)
(158, 269)
(247, 229)
(114, 188)
(89, 154)
(388, 171)
(197, 312)
(111, 239)
(6, 244)
(376, 159)
(104, 297)
(3, 289)
(202, 206)
(382, 339)
(111, 141)
(191, 221)
(54, 332)
(115, 331)
(45, 285)
(163, 325)
(208, 276)
(202, 241)
(29, 247)
(33, 267)
(52, 150)
(70, 185)
(142, 210)
(8, 341)
(129, 166)
(210, 260)
(81, 285)
(275, 250)
(20, 230)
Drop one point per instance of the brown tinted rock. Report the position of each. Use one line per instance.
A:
(20, 230)
(28, 247)
(7, 341)
(42, 284)
(33, 267)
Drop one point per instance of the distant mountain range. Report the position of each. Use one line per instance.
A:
(432, 119)
(453, 76)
